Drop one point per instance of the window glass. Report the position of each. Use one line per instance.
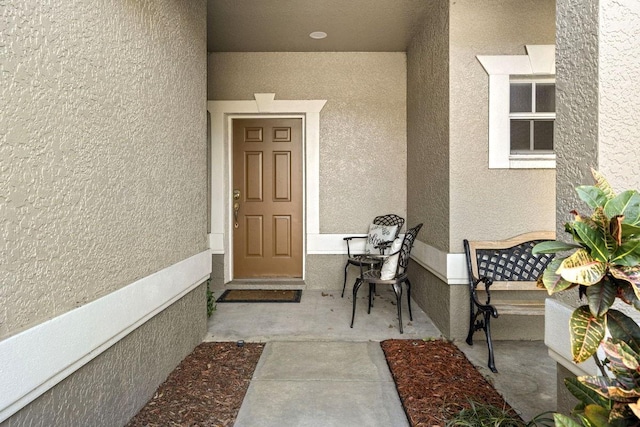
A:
(543, 135)
(520, 135)
(545, 97)
(520, 97)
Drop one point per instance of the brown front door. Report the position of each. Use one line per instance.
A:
(267, 198)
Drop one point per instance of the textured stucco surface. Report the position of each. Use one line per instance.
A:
(112, 388)
(102, 148)
(576, 110)
(362, 126)
(488, 204)
(428, 128)
(619, 103)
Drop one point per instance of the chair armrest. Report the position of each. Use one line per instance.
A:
(348, 239)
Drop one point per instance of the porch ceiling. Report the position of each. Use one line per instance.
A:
(284, 25)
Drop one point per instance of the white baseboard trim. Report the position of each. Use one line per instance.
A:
(74, 338)
(450, 268)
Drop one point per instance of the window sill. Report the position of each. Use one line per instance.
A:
(532, 162)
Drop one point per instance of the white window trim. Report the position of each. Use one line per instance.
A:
(540, 60)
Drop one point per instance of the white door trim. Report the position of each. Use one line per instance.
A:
(263, 104)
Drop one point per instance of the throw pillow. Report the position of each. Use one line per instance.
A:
(390, 265)
(377, 235)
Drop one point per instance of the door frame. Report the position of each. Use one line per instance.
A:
(230, 229)
(263, 106)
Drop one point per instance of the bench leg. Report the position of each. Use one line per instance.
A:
(409, 297)
(487, 331)
(472, 321)
(397, 289)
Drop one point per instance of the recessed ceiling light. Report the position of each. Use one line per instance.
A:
(318, 35)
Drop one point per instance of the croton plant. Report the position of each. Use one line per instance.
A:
(603, 263)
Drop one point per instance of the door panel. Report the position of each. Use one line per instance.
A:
(267, 171)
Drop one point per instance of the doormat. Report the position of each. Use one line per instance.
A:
(260, 295)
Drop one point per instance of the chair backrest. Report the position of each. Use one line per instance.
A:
(390, 220)
(405, 250)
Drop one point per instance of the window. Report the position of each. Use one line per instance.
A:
(532, 105)
(521, 108)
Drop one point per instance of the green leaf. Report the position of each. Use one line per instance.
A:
(587, 331)
(629, 230)
(585, 394)
(594, 239)
(601, 296)
(552, 281)
(624, 328)
(581, 268)
(598, 415)
(628, 254)
(591, 195)
(564, 421)
(603, 184)
(552, 247)
(626, 203)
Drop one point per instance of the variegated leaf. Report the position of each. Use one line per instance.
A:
(552, 281)
(625, 293)
(581, 268)
(603, 184)
(635, 408)
(585, 394)
(587, 331)
(601, 296)
(630, 275)
(594, 239)
(624, 328)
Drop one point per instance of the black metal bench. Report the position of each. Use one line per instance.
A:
(506, 265)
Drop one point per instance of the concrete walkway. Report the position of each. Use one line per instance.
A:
(317, 371)
(311, 383)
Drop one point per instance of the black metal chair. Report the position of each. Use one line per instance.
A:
(364, 260)
(373, 275)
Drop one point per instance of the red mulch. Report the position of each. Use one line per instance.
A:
(434, 380)
(206, 389)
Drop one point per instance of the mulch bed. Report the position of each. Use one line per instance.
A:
(206, 389)
(434, 380)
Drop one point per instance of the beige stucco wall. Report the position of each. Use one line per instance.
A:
(498, 203)
(102, 149)
(450, 186)
(113, 387)
(103, 171)
(362, 126)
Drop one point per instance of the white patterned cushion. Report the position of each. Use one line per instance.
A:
(377, 235)
(390, 264)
